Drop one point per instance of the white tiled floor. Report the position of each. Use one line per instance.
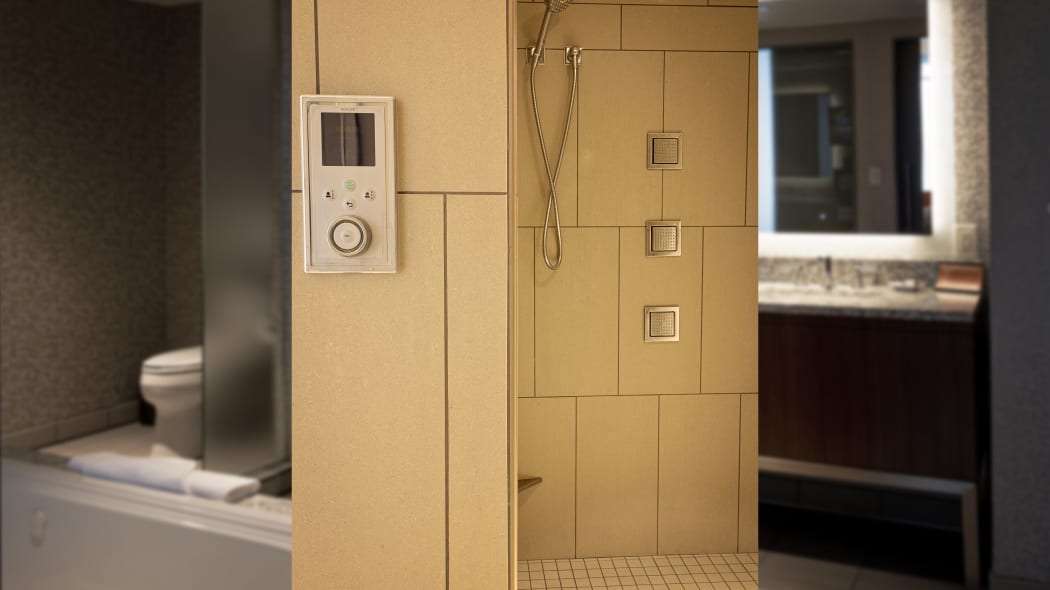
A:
(670, 572)
(781, 571)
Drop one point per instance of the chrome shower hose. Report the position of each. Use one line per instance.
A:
(552, 176)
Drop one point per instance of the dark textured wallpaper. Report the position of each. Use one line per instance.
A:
(182, 174)
(99, 201)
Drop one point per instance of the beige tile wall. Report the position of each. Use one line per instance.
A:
(614, 118)
(575, 316)
(616, 475)
(401, 397)
(476, 278)
(547, 445)
(644, 448)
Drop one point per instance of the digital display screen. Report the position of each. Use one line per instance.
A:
(348, 139)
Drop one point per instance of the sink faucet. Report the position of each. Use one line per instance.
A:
(829, 279)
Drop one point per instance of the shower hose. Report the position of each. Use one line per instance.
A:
(552, 176)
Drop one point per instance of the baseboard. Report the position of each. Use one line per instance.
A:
(1000, 582)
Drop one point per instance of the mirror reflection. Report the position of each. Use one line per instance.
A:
(844, 109)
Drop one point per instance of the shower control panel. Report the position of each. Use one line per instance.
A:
(349, 197)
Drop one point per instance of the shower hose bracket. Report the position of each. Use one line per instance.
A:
(530, 55)
(572, 54)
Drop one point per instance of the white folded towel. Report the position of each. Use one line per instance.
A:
(171, 474)
(162, 473)
(220, 486)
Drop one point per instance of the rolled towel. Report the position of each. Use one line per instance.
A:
(162, 473)
(220, 486)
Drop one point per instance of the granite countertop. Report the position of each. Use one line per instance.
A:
(869, 302)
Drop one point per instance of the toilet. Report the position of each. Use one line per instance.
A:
(171, 383)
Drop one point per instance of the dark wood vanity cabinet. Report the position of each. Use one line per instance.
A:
(896, 395)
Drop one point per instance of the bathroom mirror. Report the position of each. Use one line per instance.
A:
(845, 117)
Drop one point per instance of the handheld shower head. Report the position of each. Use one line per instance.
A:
(553, 7)
(557, 5)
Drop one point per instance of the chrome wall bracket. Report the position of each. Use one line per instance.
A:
(573, 54)
(530, 54)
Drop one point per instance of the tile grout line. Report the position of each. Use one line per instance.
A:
(448, 538)
(575, 475)
(687, 394)
(579, 106)
(747, 137)
(684, 225)
(615, 50)
(703, 270)
(317, 54)
(739, 472)
(659, 409)
(511, 314)
(459, 193)
(663, 126)
(533, 270)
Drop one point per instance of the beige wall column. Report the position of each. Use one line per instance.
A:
(400, 391)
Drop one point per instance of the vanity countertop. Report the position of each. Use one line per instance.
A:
(869, 302)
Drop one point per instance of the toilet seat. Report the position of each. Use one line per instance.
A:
(174, 362)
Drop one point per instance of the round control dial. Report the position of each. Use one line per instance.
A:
(349, 235)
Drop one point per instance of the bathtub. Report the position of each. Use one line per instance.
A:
(63, 531)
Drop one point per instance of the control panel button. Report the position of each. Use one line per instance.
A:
(349, 236)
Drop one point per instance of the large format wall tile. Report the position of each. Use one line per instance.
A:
(748, 473)
(576, 315)
(590, 27)
(451, 113)
(553, 82)
(699, 438)
(730, 326)
(752, 141)
(615, 186)
(659, 367)
(690, 28)
(707, 102)
(304, 76)
(525, 330)
(476, 294)
(546, 448)
(616, 489)
(368, 422)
